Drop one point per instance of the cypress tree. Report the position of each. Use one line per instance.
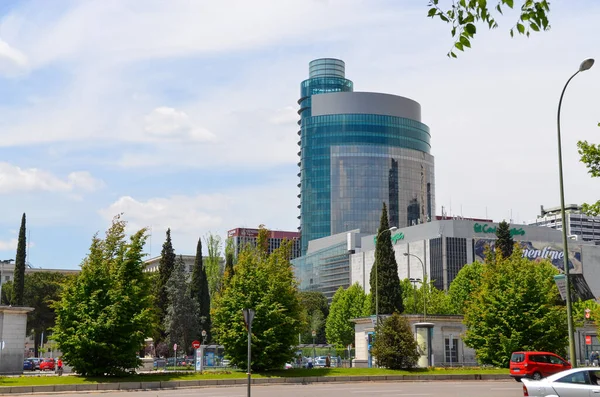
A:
(19, 274)
(166, 266)
(205, 321)
(384, 280)
(199, 291)
(229, 259)
(505, 242)
(196, 282)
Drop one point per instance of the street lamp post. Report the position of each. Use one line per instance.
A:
(585, 65)
(2, 262)
(414, 282)
(391, 229)
(424, 278)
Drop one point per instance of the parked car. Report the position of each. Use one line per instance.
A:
(570, 383)
(35, 361)
(47, 364)
(536, 365)
(160, 363)
(319, 362)
(28, 365)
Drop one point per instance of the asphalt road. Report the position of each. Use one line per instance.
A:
(376, 389)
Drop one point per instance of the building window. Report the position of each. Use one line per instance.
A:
(436, 263)
(451, 349)
(456, 249)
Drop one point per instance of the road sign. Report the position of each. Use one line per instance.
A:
(561, 283)
(195, 344)
(175, 346)
(587, 313)
(248, 316)
(588, 339)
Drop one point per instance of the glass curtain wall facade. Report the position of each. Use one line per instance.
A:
(324, 270)
(357, 151)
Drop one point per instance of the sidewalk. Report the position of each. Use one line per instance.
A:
(232, 382)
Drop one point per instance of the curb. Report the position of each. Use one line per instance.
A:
(130, 386)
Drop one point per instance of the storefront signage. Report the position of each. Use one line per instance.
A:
(395, 238)
(535, 251)
(485, 228)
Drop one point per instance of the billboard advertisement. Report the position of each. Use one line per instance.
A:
(537, 251)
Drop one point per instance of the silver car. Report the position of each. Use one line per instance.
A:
(578, 382)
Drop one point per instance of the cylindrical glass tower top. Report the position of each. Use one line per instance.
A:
(327, 67)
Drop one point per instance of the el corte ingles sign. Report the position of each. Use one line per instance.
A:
(394, 237)
(485, 228)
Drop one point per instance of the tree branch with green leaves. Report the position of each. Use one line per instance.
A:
(590, 156)
(464, 15)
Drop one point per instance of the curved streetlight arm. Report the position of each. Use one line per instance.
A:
(564, 229)
(424, 278)
(585, 65)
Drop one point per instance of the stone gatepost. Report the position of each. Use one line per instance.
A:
(13, 327)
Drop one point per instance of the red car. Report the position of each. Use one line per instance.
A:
(47, 364)
(536, 365)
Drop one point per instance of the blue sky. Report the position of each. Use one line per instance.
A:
(182, 114)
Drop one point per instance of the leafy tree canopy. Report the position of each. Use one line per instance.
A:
(465, 15)
(266, 284)
(315, 305)
(213, 267)
(345, 305)
(516, 307)
(41, 291)
(464, 284)
(436, 302)
(590, 156)
(181, 320)
(395, 346)
(105, 314)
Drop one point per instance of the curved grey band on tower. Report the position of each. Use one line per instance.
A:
(365, 103)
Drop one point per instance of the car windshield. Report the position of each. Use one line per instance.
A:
(517, 357)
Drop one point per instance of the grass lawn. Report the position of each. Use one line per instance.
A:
(31, 380)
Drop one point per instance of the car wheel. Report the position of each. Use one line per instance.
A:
(537, 376)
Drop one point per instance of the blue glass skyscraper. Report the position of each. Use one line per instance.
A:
(357, 151)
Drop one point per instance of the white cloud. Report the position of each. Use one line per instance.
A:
(286, 115)
(184, 213)
(9, 245)
(193, 216)
(12, 61)
(17, 179)
(171, 124)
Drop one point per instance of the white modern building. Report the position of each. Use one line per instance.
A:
(579, 225)
(440, 249)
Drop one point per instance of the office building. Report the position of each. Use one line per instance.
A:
(358, 150)
(242, 237)
(440, 249)
(579, 225)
